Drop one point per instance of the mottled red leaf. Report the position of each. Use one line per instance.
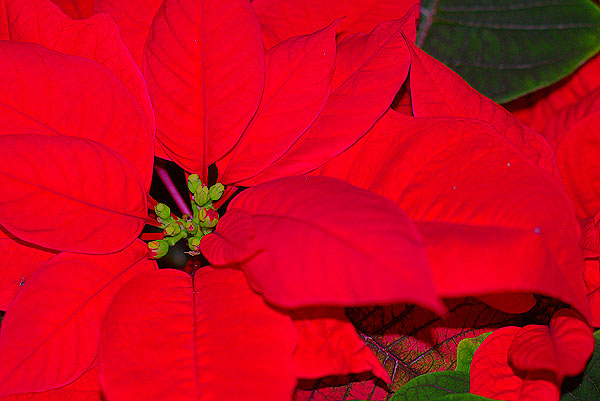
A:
(19, 261)
(410, 341)
(476, 199)
(437, 91)
(69, 194)
(574, 136)
(282, 19)
(212, 339)
(204, 64)
(96, 38)
(60, 310)
(134, 18)
(328, 345)
(327, 242)
(493, 377)
(46, 92)
(85, 388)
(369, 71)
(563, 347)
(297, 84)
(536, 108)
(77, 9)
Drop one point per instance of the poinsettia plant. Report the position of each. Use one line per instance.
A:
(352, 169)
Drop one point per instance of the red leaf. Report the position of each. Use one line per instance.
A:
(204, 65)
(282, 19)
(85, 388)
(297, 84)
(76, 9)
(492, 376)
(96, 38)
(67, 193)
(326, 242)
(233, 241)
(224, 342)
(60, 310)
(134, 18)
(369, 71)
(437, 91)
(19, 261)
(46, 92)
(328, 345)
(563, 347)
(573, 133)
(535, 109)
(477, 200)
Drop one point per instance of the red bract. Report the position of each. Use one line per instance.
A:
(86, 388)
(320, 241)
(96, 38)
(492, 376)
(75, 169)
(204, 64)
(530, 363)
(475, 199)
(282, 19)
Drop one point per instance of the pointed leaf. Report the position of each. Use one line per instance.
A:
(436, 91)
(563, 347)
(297, 84)
(476, 199)
(96, 38)
(19, 261)
(493, 377)
(328, 345)
(204, 64)
(70, 195)
(327, 242)
(85, 388)
(369, 71)
(61, 310)
(46, 92)
(226, 343)
(281, 20)
(507, 48)
(134, 18)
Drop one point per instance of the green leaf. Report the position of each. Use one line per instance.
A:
(588, 384)
(466, 349)
(508, 48)
(437, 386)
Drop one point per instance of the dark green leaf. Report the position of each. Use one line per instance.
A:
(437, 386)
(466, 349)
(588, 384)
(507, 48)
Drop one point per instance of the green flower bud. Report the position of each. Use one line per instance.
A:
(172, 229)
(210, 217)
(201, 196)
(193, 182)
(158, 249)
(162, 211)
(216, 191)
(194, 243)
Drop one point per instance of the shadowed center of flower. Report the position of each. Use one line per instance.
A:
(202, 221)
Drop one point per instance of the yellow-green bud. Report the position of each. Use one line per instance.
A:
(216, 191)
